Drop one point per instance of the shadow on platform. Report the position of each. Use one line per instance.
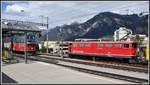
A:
(7, 79)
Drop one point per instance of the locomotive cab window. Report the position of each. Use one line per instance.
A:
(100, 45)
(108, 45)
(126, 45)
(134, 45)
(117, 45)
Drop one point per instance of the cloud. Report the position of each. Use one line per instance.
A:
(65, 12)
(16, 9)
(131, 8)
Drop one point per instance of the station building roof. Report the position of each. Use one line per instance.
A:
(18, 27)
(13, 25)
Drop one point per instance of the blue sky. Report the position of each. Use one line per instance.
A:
(66, 12)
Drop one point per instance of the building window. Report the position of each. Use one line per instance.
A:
(126, 45)
(65, 48)
(100, 45)
(80, 45)
(117, 45)
(87, 45)
(108, 45)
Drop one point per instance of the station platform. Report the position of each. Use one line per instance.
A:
(44, 73)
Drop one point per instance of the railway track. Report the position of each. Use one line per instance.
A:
(115, 65)
(100, 73)
(142, 65)
(128, 67)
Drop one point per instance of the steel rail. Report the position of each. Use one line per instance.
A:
(121, 67)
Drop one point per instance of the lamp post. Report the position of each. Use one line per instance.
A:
(25, 41)
(26, 55)
(10, 51)
(47, 34)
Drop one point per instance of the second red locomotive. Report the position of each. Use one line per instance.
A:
(104, 48)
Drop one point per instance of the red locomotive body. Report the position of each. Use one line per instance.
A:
(104, 49)
(20, 46)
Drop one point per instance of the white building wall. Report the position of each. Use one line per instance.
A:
(121, 33)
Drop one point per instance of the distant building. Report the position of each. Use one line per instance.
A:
(51, 45)
(143, 39)
(122, 34)
(55, 47)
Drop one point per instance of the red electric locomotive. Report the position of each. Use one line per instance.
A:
(20, 46)
(104, 49)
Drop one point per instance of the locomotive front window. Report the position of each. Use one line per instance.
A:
(117, 45)
(87, 45)
(100, 45)
(126, 45)
(108, 45)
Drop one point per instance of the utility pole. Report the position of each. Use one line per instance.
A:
(127, 10)
(47, 34)
(61, 43)
(11, 45)
(25, 41)
(26, 48)
(47, 25)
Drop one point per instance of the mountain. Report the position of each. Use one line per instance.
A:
(102, 25)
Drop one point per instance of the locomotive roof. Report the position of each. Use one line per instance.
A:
(106, 42)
